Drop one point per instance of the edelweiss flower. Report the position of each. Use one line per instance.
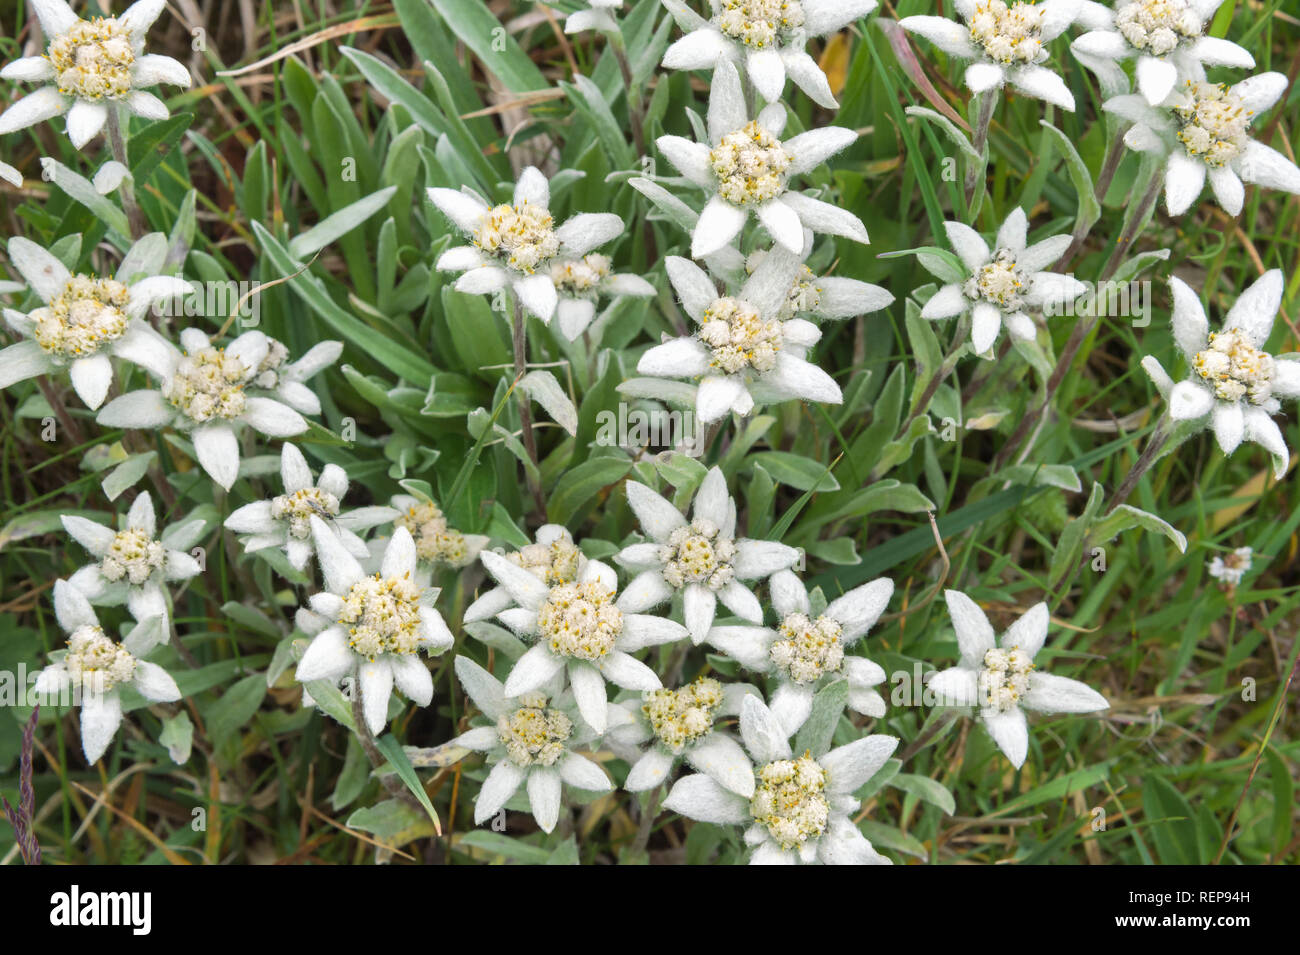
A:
(580, 282)
(745, 167)
(767, 37)
(284, 379)
(1168, 38)
(516, 244)
(804, 649)
(204, 392)
(823, 296)
(435, 541)
(598, 16)
(531, 744)
(700, 558)
(744, 351)
(553, 559)
(1000, 679)
(91, 66)
(1004, 281)
(1231, 569)
(799, 810)
(680, 724)
(371, 627)
(285, 520)
(86, 319)
(1201, 130)
(98, 667)
(1007, 41)
(581, 627)
(1234, 387)
(135, 562)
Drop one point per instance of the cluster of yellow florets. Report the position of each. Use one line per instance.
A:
(435, 541)
(553, 563)
(133, 555)
(1235, 368)
(680, 717)
(581, 276)
(297, 508)
(93, 59)
(523, 235)
(697, 553)
(807, 648)
(759, 24)
(1004, 679)
(750, 164)
(1009, 33)
(96, 662)
(382, 615)
(534, 735)
(1213, 125)
(580, 620)
(1000, 282)
(86, 315)
(738, 336)
(1157, 26)
(208, 384)
(790, 800)
(268, 372)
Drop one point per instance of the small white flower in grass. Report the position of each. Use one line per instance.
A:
(766, 38)
(436, 542)
(744, 352)
(91, 66)
(1000, 676)
(531, 742)
(581, 282)
(204, 393)
(1231, 569)
(745, 167)
(515, 244)
(85, 320)
(1007, 41)
(285, 379)
(371, 627)
(1168, 38)
(1201, 131)
(1234, 385)
(135, 563)
(806, 648)
(1003, 283)
(581, 627)
(284, 521)
(800, 808)
(98, 667)
(700, 558)
(823, 296)
(598, 15)
(553, 558)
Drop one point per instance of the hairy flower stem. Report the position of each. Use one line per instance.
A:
(646, 822)
(940, 374)
(635, 104)
(66, 421)
(1109, 166)
(117, 143)
(988, 101)
(519, 339)
(377, 759)
(1150, 454)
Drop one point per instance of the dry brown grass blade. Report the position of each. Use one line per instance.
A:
(384, 21)
(172, 856)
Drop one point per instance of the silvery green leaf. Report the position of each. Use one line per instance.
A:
(948, 126)
(178, 736)
(542, 387)
(1089, 208)
(339, 224)
(126, 474)
(1125, 516)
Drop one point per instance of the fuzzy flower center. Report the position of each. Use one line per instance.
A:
(580, 620)
(133, 555)
(93, 59)
(534, 735)
(1157, 26)
(95, 660)
(268, 372)
(759, 24)
(697, 553)
(553, 563)
(581, 277)
(297, 508)
(1213, 125)
(1009, 33)
(81, 319)
(750, 164)
(1234, 368)
(523, 236)
(208, 384)
(807, 648)
(1004, 678)
(1000, 282)
(434, 541)
(382, 615)
(790, 800)
(739, 337)
(1231, 568)
(680, 717)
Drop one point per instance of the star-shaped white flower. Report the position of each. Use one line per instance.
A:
(1003, 283)
(97, 667)
(285, 379)
(745, 167)
(371, 627)
(1168, 39)
(284, 521)
(583, 628)
(553, 559)
(91, 66)
(515, 244)
(1007, 41)
(701, 558)
(766, 38)
(436, 541)
(598, 15)
(804, 651)
(581, 282)
(800, 807)
(85, 320)
(999, 676)
(1200, 131)
(1234, 386)
(531, 743)
(204, 392)
(135, 563)
(747, 349)
(1231, 569)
